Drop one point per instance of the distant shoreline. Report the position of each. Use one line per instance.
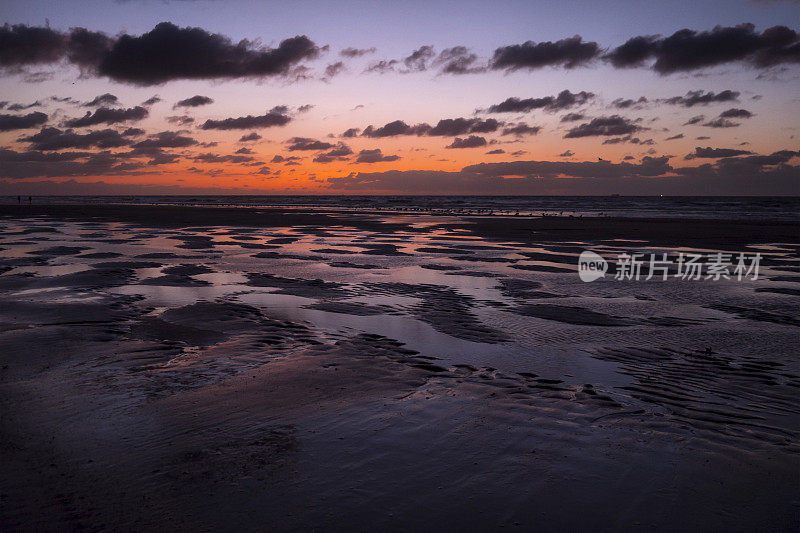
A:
(683, 207)
(716, 233)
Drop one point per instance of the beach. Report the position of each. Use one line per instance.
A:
(268, 368)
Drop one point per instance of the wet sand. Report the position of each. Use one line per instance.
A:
(683, 232)
(258, 369)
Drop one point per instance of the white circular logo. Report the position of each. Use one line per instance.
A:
(591, 266)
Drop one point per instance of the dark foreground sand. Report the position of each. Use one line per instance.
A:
(213, 369)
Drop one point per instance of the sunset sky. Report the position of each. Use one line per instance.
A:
(562, 97)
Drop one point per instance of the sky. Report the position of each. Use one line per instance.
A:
(459, 97)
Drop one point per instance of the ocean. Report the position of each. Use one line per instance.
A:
(688, 207)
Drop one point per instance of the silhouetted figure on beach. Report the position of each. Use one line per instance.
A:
(19, 199)
(30, 200)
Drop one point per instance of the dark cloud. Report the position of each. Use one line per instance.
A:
(687, 50)
(195, 101)
(613, 125)
(334, 69)
(86, 49)
(521, 129)
(693, 98)
(250, 137)
(181, 120)
(291, 160)
(720, 122)
(60, 100)
(629, 139)
(444, 128)
(569, 53)
(495, 152)
(573, 117)
(382, 67)
(217, 158)
(152, 100)
(649, 166)
(514, 177)
(694, 120)
(350, 133)
(674, 137)
(776, 158)
(455, 60)
(458, 60)
(634, 52)
(168, 52)
(23, 107)
(244, 151)
(37, 164)
(35, 156)
(103, 99)
(461, 126)
(166, 139)
(351, 52)
(473, 141)
(736, 113)
(249, 122)
(756, 174)
(107, 115)
(338, 153)
(397, 127)
(713, 153)
(304, 144)
(155, 154)
(566, 153)
(417, 61)
(340, 150)
(324, 158)
(621, 103)
(22, 122)
(374, 156)
(305, 108)
(563, 101)
(55, 139)
(22, 45)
